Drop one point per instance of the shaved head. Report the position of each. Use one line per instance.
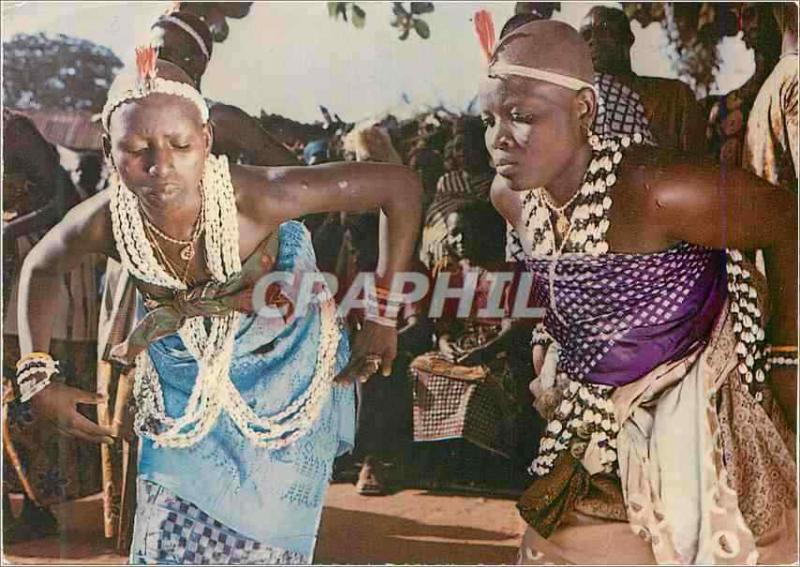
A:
(550, 46)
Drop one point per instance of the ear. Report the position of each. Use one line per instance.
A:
(586, 105)
(106, 141)
(208, 136)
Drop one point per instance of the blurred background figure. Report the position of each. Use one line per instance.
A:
(674, 116)
(770, 146)
(472, 415)
(728, 116)
(42, 465)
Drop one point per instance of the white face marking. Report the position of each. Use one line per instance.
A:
(343, 184)
(304, 186)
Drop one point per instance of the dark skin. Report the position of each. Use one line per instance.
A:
(236, 133)
(660, 198)
(159, 146)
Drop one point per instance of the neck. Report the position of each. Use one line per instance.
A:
(175, 219)
(570, 180)
(789, 44)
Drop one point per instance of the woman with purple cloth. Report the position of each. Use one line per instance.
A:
(667, 379)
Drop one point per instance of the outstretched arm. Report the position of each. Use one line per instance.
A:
(278, 194)
(735, 209)
(292, 192)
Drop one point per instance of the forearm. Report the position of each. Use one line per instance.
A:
(31, 222)
(38, 300)
(781, 265)
(399, 227)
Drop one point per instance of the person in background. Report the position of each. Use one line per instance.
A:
(384, 418)
(46, 469)
(675, 118)
(771, 144)
(468, 176)
(467, 402)
(727, 119)
(185, 40)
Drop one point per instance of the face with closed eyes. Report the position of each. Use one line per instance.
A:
(533, 128)
(159, 146)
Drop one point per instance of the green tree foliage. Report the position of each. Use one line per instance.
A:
(60, 72)
(404, 19)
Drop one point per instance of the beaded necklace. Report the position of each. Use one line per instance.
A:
(585, 416)
(212, 348)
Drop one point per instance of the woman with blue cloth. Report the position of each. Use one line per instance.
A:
(240, 415)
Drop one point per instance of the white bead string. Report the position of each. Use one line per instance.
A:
(586, 414)
(747, 327)
(213, 391)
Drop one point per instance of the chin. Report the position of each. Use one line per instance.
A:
(516, 183)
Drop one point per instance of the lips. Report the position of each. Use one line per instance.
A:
(505, 167)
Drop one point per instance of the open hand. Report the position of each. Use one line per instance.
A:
(57, 404)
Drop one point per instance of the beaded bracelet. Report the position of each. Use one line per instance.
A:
(782, 361)
(35, 371)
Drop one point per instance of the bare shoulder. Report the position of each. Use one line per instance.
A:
(92, 218)
(656, 172)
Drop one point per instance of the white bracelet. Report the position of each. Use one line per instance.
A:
(30, 389)
(49, 367)
(383, 321)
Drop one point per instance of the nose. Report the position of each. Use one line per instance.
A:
(161, 163)
(497, 137)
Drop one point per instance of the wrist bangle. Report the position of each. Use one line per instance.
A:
(782, 348)
(35, 371)
(33, 356)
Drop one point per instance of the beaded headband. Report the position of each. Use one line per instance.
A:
(169, 18)
(146, 82)
(484, 27)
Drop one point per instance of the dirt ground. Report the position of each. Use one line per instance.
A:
(410, 526)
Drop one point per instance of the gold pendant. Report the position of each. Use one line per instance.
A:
(187, 252)
(562, 224)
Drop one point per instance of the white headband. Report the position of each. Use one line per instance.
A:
(124, 90)
(498, 69)
(188, 29)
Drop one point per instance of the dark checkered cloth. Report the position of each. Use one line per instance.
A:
(449, 408)
(620, 111)
(170, 530)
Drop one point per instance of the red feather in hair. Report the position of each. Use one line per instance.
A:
(146, 62)
(484, 27)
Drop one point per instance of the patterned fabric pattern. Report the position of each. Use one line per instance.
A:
(273, 363)
(595, 301)
(170, 529)
(450, 408)
(620, 111)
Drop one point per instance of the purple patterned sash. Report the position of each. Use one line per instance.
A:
(618, 316)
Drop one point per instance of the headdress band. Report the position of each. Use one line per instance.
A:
(146, 83)
(188, 29)
(498, 69)
(484, 28)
